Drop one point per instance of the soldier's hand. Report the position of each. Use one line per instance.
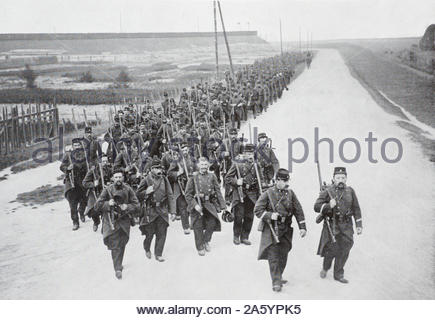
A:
(226, 154)
(164, 141)
(96, 183)
(149, 190)
(198, 208)
(274, 216)
(240, 181)
(359, 230)
(332, 203)
(70, 167)
(123, 207)
(172, 216)
(180, 171)
(111, 202)
(303, 233)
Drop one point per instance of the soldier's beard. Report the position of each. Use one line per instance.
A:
(118, 183)
(341, 185)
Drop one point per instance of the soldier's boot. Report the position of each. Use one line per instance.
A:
(201, 252)
(95, 227)
(246, 242)
(342, 280)
(323, 273)
(186, 231)
(277, 287)
(148, 254)
(160, 258)
(207, 246)
(236, 240)
(283, 281)
(82, 217)
(75, 225)
(118, 274)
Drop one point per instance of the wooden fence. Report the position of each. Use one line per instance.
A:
(20, 126)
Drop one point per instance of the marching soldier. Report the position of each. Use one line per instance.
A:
(117, 203)
(179, 172)
(205, 200)
(93, 183)
(337, 203)
(74, 167)
(275, 208)
(91, 145)
(155, 195)
(245, 178)
(266, 158)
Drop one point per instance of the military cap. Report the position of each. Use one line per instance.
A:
(249, 147)
(262, 135)
(76, 140)
(233, 131)
(118, 170)
(156, 163)
(165, 94)
(340, 170)
(282, 174)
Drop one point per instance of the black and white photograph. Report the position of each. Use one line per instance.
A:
(217, 159)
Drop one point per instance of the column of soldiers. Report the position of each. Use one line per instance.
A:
(163, 163)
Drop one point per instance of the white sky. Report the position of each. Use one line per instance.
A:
(325, 19)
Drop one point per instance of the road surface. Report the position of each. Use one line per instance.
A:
(41, 258)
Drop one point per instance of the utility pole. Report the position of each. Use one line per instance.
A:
(280, 34)
(300, 45)
(226, 40)
(216, 40)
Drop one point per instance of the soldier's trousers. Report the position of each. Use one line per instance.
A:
(243, 219)
(182, 212)
(277, 255)
(203, 228)
(339, 252)
(158, 228)
(116, 243)
(77, 203)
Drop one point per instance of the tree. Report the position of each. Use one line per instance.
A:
(87, 77)
(30, 76)
(123, 78)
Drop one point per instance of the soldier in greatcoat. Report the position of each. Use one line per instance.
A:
(118, 204)
(244, 177)
(205, 200)
(74, 167)
(275, 208)
(157, 204)
(337, 204)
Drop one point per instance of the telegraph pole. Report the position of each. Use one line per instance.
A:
(280, 34)
(216, 40)
(226, 40)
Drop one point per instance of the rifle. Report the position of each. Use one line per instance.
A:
(110, 216)
(321, 217)
(198, 198)
(71, 173)
(239, 188)
(87, 165)
(273, 229)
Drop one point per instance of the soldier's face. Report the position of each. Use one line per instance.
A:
(340, 180)
(77, 146)
(203, 166)
(282, 184)
(157, 171)
(118, 178)
(104, 161)
(262, 140)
